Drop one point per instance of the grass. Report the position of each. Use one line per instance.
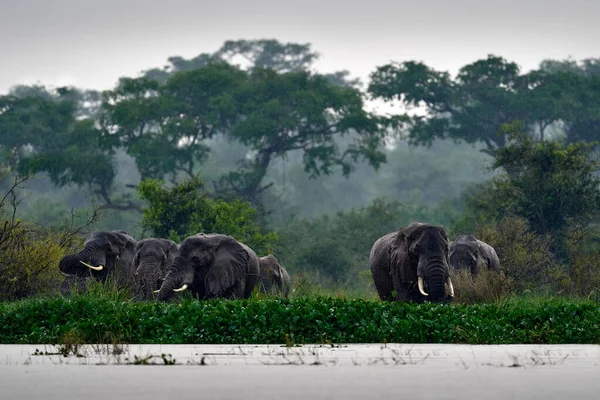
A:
(97, 319)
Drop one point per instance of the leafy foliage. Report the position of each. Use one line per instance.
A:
(280, 113)
(164, 126)
(550, 184)
(29, 253)
(303, 321)
(186, 209)
(484, 95)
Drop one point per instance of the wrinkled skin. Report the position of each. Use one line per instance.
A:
(473, 254)
(153, 258)
(112, 251)
(399, 258)
(212, 266)
(274, 279)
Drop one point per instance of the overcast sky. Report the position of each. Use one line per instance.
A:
(91, 43)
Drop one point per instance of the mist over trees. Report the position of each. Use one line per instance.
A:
(255, 123)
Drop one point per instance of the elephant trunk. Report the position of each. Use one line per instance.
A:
(148, 274)
(180, 275)
(434, 273)
(71, 264)
(437, 284)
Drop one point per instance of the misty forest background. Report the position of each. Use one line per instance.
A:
(251, 141)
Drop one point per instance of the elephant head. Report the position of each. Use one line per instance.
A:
(426, 248)
(152, 259)
(104, 253)
(414, 262)
(273, 277)
(471, 253)
(464, 253)
(212, 265)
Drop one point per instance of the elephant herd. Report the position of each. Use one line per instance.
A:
(209, 265)
(411, 264)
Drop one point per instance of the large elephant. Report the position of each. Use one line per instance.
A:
(413, 262)
(211, 266)
(274, 278)
(153, 258)
(105, 254)
(473, 254)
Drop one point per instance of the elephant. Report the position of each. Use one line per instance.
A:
(105, 254)
(212, 266)
(273, 277)
(413, 262)
(469, 252)
(153, 257)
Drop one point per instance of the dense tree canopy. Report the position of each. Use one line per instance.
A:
(484, 95)
(40, 131)
(552, 185)
(164, 126)
(279, 113)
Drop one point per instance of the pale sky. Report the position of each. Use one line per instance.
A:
(90, 44)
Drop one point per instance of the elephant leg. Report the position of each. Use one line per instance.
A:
(385, 290)
(415, 295)
(382, 277)
(402, 288)
(403, 292)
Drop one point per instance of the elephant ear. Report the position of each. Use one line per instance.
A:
(399, 254)
(229, 265)
(172, 252)
(125, 245)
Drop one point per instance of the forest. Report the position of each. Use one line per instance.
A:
(251, 141)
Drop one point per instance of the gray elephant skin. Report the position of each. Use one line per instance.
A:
(105, 254)
(153, 258)
(274, 279)
(413, 262)
(468, 252)
(212, 266)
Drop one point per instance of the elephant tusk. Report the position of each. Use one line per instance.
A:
(421, 289)
(156, 291)
(98, 268)
(181, 289)
(450, 287)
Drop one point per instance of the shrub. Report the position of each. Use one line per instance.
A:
(186, 209)
(584, 265)
(525, 257)
(29, 253)
(485, 287)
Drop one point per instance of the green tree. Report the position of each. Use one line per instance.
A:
(582, 83)
(164, 127)
(46, 131)
(250, 54)
(186, 209)
(483, 96)
(283, 112)
(552, 185)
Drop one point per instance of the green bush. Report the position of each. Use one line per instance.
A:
(186, 209)
(299, 321)
(29, 256)
(584, 265)
(525, 257)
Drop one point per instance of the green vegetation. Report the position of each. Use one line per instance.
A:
(299, 321)
(186, 209)
(292, 162)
